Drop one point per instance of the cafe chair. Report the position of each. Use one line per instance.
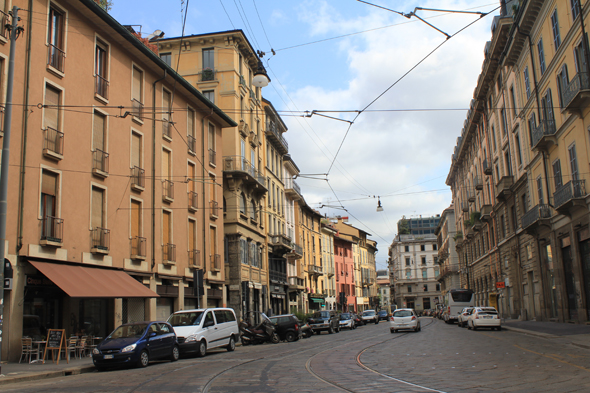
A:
(72, 342)
(26, 349)
(81, 347)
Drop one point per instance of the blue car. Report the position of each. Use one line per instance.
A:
(135, 344)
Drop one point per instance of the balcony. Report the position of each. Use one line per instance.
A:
(238, 166)
(53, 143)
(253, 139)
(137, 109)
(100, 163)
(577, 93)
(296, 283)
(169, 254)
(315, 270)
(101, 87)
(192, 144)
(537, 216)
(280, 241)
(447, 271)
(194, 259)
(278, 277)
(470, 196)
(212, 157)
(503, 187)
(56, 57)
(292, 189)
(138, 248)
(193, 198)
(465, 207)
(569, 196)
(213, 209)
(137, 179)
(214, 293)
(329, 271)
(166, 129)
(52, 231)
(167, 191)
(215, 261)
(207, 75)
(486, 211)
(100, 241)
(478, 183)
(544, 135)
(274, 134)
(296, 251)
(487, 168)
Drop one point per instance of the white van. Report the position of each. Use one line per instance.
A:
(201, 329)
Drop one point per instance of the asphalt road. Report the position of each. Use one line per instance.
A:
(440, 358)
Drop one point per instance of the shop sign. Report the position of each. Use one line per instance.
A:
(500, 285)
(38, 281)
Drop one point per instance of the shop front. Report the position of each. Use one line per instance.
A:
(317, 302)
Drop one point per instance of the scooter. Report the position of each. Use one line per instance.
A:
(256, 328)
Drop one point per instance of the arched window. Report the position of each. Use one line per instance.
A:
(243, 204)
(254, 211)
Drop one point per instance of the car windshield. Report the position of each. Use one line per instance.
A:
(185, 318)
(127, 331)
(321, 314)
(345, 316)
(368, 313)
(402, 313)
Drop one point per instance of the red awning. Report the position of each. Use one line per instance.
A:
(91, 282)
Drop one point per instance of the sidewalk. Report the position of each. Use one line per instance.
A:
(20, 372)
(568, 333)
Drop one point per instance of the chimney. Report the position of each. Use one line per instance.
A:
(502, 7)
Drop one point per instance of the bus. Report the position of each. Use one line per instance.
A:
(455, 301)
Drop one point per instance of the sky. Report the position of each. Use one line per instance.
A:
(398, 91)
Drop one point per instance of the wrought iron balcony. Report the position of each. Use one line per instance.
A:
(503, 187)
(212, 157)
(274, 134)
(137, 178)
(207, 74)
(447, 271)
(315, 270)
(575, 96)
(193, 198)
(52, 231)
(53, 143)
(538, 215)
(138, 247)
(279, 277)
(169, 253)
(569, 195)
(544, 135)
(215, 261)
(194, 258)
(296, 251)
(214, 209)
(56, 57)
(136, 109)
(167, 191)
(292, 189)
(101, 86)
(100, 240)
(192, 144)
(238, 165)
(100, 163)
(296, 283)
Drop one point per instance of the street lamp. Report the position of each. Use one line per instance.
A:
(260, 79)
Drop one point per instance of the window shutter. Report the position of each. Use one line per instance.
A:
(49, 183)
(166, 165)
(137, 80)
(166, 228)
(135, 218)
(166, 105)
(98, 132)
(136, 150)
(190, 125)
(97, 208)
(191, 235)
(52, 111)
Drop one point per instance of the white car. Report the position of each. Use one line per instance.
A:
(370, 316)
(346, 321)
(404, 319)
(484, 317)
(463, 315)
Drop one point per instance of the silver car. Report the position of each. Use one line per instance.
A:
(404, 319)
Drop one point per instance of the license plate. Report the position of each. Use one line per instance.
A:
(108, 356)
(403, 324)
(487, 317)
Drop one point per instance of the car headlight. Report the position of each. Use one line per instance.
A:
(191, 338)
(96, 351)
(129, 348)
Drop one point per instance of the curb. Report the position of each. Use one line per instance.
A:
(529, 332)
(49, 374)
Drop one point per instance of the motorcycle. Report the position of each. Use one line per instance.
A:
(256, 328)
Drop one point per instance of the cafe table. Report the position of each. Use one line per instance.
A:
(39, 347)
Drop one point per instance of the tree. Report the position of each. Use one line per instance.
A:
(105, 4)
(402, 226)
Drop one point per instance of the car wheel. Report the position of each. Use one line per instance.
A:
(419, 328)
(331, 330)
(474, 327)
(175, 354)
(290, 336)
(353, 327)
(499, 328)
(202, 351)
(232, 344)
(392, 330)
(275, 339)
(338, 329)
(144, 359)
(318, 332)
(244, 342)
(376, 321)
(468, 326)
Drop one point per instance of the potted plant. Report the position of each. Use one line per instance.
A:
(208, 74)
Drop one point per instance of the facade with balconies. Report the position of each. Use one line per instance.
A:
(327, 262)
(308, 222)
(447, 259)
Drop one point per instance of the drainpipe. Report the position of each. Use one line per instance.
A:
(23, 153)
(154, 167)
(204, 244)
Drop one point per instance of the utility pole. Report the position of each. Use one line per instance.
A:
(14, 32)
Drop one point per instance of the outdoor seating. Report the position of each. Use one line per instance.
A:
(81, 347)
(27, 349)
(71, 347)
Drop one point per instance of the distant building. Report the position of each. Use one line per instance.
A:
(383, 289)
(418, 226)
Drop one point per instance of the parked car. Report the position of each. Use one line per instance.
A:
(135, 344)
(404, 319)
(346, 321)
(324, 321)
(203, 329)
(484, 317)
(288, 327)
(463, 315)
(357, 319)
(369, 316)
(383, 315)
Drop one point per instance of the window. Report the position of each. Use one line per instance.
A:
(547, 106)
(422, 247)
(243, 204)
(425, 287)
(407, 261)
(166, 233)
(573, 162)
(514, 218)
(167, 58)
(53, 142)
(575, 4)
(557, 174)
(562, 83)
(137, 244)
(527, 83)
(192, 189)
(51, 225)
(254, 212)
(423, 260)
(409, 287)
(424, 273)
(541, 56)
(540, 190)
(167, 184)
(434, 247)
(532, 125)
(210, 95)
(97, 219)
(504, 122)
(101, 69)
(438, 287)
(502, 227)
(513, 97)
(494, 137)
(55, 38)
(211, 143)
(100, 158)
(507, 163)
(166, 114)
(555, 29)
(137, 93)
(208, 65)
(518, 149)
(213, 194)
(215, 257)
(406, 248)
(580, 58)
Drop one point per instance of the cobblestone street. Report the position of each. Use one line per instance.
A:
(441, 357)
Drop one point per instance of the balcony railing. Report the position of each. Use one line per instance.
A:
(239, 163)
(194, 258)
(537, 213)
(478, 183)
(215, 262)
(503, 187)
(579, 82)
(191, 141)
(100, 162)
(101, 239)
(277, 276)
(544, 128)
(53, 143)
(167, 190)
(280, 240)
(446, 271)
(193, 198)
(169, 252)
(166, 128)
(214, 209)
(101, 86)
(487, 168)
(52, 229)
(136, 109)
(315, 269)
(570, 190)
(273, 130)
(137, 178)
(212, 157)
(296, 282)
(207, 74)
(291, 184)
(56, 57)
(138, 247)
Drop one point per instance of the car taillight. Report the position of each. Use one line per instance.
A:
(449, 310)
(413, 318)
(392, 319)
(296, 328)
(476, 316)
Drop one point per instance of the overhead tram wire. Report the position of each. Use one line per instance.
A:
(226, 13)
(261, 24)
